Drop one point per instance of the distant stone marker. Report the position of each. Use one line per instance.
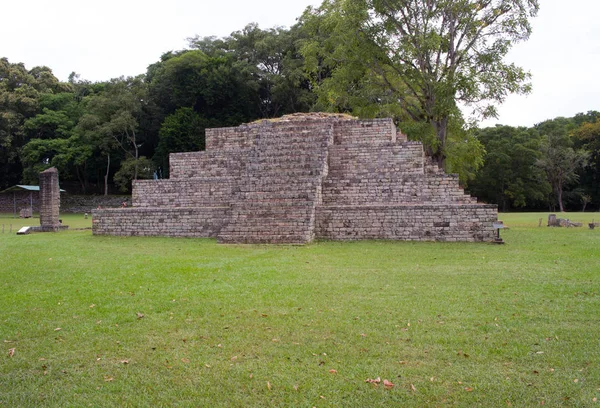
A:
(553, 221)
(49, 201)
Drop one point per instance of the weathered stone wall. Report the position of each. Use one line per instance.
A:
(50, 200)
(300, 178)
(231, 163)
(394, 189)
(382, 159)
(203, 222)
(233, 138)
(80, 204)
(468, 222)
(372, 131)
(209, 192)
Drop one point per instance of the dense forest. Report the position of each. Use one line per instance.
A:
(103, 135)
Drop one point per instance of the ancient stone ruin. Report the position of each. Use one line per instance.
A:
(299, 178)
(49, 201)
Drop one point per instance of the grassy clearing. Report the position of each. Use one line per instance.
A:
(448, 324)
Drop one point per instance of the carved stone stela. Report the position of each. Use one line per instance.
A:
(302, 177)
(49, 200)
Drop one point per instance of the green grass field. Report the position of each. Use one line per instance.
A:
(140, 322)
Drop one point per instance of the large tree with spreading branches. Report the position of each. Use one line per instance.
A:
(426, 57)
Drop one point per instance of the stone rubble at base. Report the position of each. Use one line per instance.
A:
(299, 178)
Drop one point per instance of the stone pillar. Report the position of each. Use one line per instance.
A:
(49, 200)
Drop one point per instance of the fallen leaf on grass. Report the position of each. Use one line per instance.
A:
(412, 388)
(185, 360)
(124, 361)
(269, 385)
(92, 306)
(139, 315)
(58, 329)
(332, 371)
(388, 384)
(11, 352)
(108, 379)
(375, 381)
(468, 389)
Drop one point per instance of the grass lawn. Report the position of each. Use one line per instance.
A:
(128, 322)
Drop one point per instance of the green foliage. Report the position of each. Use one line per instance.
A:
(218, 88)
(133, 169)
(587, 137)
(465, 154)
(111, 126)
(273, 58)
(510, 176)
(423, 56)
(183, 131)
(559, 160)
(20, 94)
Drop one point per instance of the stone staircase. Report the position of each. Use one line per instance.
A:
(281, 187)
(387, 173)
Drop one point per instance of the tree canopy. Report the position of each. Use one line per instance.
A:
(419, 62)
(422, 57)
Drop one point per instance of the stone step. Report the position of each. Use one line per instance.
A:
(288, 173)
(281, 206)
(278, 152)
(272, 182)
(275, 194)
(246, 238)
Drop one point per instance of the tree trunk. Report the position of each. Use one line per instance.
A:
(135, 147)
(106, 175)
(441, 133)
(559, 194)
(81, 179)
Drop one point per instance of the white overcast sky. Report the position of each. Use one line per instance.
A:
(105, 39)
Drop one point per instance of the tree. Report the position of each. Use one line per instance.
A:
(220, 89)
(20, 93)
(133, 169)
(510, 176)
(274, 59)
(560, 161)
(183, 131)
(587, 137)
(52, 141)
(111, 123)
(425, 56)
